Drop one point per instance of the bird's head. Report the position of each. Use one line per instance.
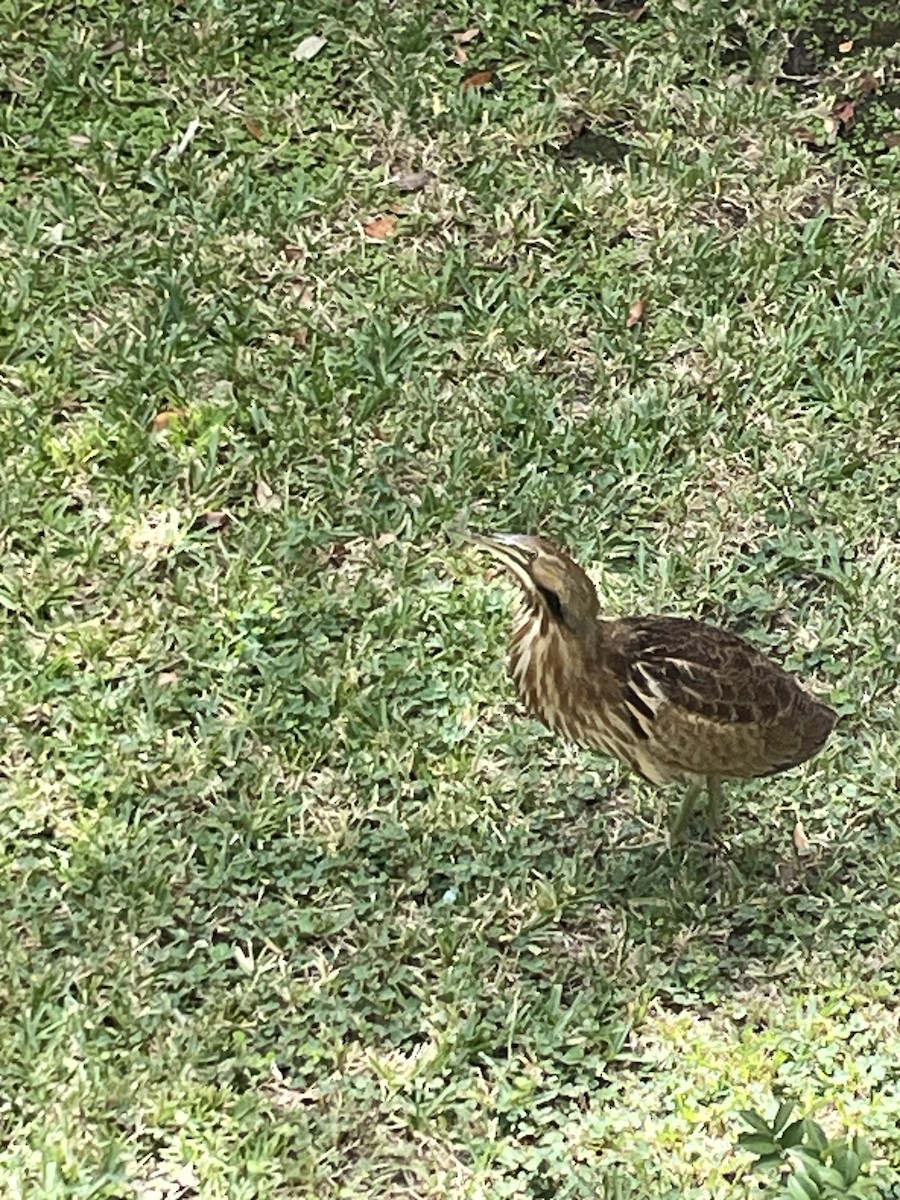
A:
(549, 579)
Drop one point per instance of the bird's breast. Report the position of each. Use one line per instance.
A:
(537, 668)
(556, 690)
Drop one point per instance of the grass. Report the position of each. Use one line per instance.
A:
(295, 902)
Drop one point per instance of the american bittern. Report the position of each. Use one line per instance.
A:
(673, 698)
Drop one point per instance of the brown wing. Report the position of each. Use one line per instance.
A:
(709, 703)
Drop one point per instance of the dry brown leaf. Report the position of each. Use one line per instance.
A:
(292, 252)
(844, 113)
(480, 79)
(845, 47)
(467, 35)
(385, 539)
(300, 336)
(412, 181)
(636, 313)
(266, 498)
(164, 419)
(891, 140)
(254, 128)
(381, 228)
(801, 841)
(167, 678)
(217, 520)
(868, 83)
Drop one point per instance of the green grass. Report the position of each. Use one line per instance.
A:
(295, 902)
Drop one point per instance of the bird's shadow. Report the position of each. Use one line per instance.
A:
(754, 894)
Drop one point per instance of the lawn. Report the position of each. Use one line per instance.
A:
(296, 901)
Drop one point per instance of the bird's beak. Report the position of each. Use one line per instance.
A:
(499, 544)
(513, 550)
(498, 541)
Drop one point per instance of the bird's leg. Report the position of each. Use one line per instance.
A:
(714, 806)
(678, 826)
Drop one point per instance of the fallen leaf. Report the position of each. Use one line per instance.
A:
(217, 520)
(636, 313)
(460, 56)
(254, 128)
(801, 841)
(868, 83)
(164, 419)
(300, 336)
(891, 140)
(481, 79)
(412, 181)
(381, 228)
(79, 140)
(178, 148)
(266, 498)
(467, 35)
(292, 252)
(844, 113)
(845, 47)
(167, 678)
(399, 210)
(635, 14)
(385, 539)
(309, 48)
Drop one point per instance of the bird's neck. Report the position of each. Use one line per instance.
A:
(547, 663)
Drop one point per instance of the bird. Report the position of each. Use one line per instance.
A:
(673, 698)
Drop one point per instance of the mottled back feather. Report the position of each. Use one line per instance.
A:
(710, 701)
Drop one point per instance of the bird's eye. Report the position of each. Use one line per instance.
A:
(552, 601)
